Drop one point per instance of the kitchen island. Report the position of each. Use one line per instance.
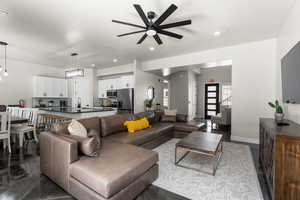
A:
(79, 113)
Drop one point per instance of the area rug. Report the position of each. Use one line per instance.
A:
(235, 179)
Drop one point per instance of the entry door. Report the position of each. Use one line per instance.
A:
(212, 106)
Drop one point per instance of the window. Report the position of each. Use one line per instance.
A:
(166, 98)
(226, 95)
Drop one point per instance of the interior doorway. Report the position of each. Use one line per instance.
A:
(212, 103)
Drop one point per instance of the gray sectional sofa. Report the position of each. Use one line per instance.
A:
(125, 165)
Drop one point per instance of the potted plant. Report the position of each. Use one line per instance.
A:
(149, 104)
(278, 111)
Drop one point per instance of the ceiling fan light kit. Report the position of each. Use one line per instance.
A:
(153, 29)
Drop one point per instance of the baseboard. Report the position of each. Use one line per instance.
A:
(243, 139)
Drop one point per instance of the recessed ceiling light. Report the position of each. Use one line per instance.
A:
(217, 33)
(93, 65)
(115, 60)
(3, 12)
(151, 48)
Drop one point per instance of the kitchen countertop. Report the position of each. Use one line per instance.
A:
(77, 110)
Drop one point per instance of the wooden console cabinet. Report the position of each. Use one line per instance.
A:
(280, 158)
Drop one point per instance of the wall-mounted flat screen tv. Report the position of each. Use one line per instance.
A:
(290, 73)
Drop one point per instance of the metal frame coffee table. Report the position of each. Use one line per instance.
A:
(208, 144)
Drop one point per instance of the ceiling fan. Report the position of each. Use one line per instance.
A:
(154, 28)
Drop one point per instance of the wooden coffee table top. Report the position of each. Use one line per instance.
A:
(201, 141)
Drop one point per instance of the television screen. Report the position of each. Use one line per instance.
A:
(290, 73)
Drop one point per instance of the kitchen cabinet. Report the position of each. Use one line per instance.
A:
(49, 87)
(127, 82)
(114, 84)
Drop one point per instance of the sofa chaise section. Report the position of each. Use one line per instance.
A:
(117, 167)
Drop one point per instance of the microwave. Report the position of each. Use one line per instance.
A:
(111, 93)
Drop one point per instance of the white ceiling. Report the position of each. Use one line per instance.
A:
(47, 31)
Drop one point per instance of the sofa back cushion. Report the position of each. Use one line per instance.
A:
(149, 115)
(89, 123)
(114, 124)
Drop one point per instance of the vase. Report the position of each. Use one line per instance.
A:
(279, 117)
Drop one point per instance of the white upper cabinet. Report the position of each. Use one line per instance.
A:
(127, 82)
(114, 84)
(50, 87)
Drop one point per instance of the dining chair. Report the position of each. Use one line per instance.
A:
(5, 129)
(30, 127)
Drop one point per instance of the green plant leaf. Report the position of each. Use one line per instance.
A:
(272, 105)
(279, 109)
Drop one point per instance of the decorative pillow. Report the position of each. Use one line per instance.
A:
(168, 118)
(181, 118)
(171, 112)
(94, 133)
(59, 128)
(149, 115)
(76, 128)
(133, 126)
(88, 146)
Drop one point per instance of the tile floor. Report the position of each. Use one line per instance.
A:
(20, 178)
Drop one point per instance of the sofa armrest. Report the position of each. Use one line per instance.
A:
(56, 154)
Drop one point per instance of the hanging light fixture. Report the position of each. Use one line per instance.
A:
(5, 73)
(76, 72)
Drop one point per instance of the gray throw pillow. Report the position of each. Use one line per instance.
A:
(166, 118)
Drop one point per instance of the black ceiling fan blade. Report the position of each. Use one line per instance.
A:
(174, 35)
(142, 14)
(157, 39)
(131, 33)
(142, 38)
(129, 24)
(166, 14)
(176, 24)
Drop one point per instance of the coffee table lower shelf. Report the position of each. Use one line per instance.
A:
(215, 157)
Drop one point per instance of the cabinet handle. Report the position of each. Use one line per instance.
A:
(44, 94)
(127, 84)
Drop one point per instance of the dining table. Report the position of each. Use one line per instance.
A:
(17, 120)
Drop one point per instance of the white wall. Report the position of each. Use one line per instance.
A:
(179, 91)
(287, 38)
(142, 81)
(192, 90)
(253, 81)
(121, 69)
(19, 83)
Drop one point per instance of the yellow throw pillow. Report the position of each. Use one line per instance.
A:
(137, 125)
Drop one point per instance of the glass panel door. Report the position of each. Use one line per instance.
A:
(212, 106)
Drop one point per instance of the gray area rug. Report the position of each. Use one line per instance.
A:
(235, 179)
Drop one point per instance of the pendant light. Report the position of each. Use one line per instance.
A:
(75, 72)
(5, 73)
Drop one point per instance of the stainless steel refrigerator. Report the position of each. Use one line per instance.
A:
(125, 98)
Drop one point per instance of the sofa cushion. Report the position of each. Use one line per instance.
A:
(181, 117)
(89, 123)
(143, 136)
(188, 126)
(117, 166)
(114, 124)
(167, 118)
